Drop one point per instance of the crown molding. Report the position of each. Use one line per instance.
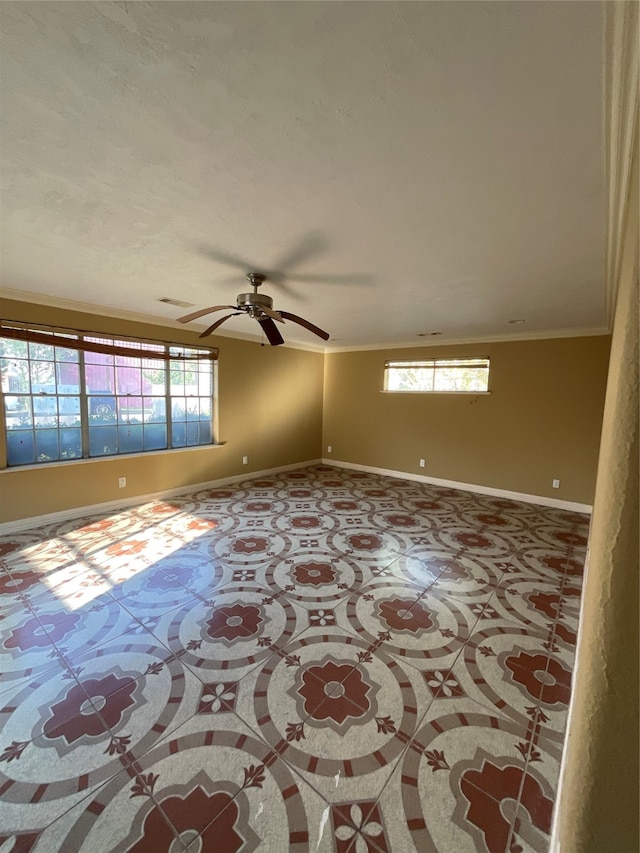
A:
(443, 340)
(621, 108)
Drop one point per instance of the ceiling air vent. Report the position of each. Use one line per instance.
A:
(177, 302)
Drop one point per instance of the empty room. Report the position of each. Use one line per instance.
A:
(319, 427)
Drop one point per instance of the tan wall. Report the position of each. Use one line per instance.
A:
(270, 408)
(541, 421)
(597, 808)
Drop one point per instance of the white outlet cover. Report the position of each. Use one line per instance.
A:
(556, 484)
(422, 463)
(329, 448)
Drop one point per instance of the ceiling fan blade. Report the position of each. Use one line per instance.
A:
(310, 245)
(188, 317)
(332, 279)
(271, 331)
(277, 279)
(271, 313)
(226, 259)
(307, 325)
(217, 323)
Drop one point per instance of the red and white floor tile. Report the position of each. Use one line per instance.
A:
(321, 660)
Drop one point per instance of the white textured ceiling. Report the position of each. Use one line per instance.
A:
(439, 164)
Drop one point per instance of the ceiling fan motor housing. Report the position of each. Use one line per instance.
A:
(253, 302)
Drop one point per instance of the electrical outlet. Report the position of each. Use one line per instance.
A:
(122, 482)
(245, 460)
(556, 484)
(329, 448)
(422, 463)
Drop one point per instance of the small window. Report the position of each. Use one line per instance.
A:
(439, 376)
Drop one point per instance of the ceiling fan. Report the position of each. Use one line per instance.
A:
(259, 307)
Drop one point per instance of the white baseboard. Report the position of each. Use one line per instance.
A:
(108, 506)
(466, 487)
(39, 520)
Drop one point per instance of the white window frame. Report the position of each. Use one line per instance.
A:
(435, 373)
(173, 356)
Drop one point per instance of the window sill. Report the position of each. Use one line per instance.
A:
(66, 463)
(440, 393)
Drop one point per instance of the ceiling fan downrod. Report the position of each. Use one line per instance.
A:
(252, 303)
(256, 279)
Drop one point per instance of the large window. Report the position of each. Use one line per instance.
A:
(90, 399)
(440, 375)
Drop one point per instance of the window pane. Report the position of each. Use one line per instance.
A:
(206, 434)
(461, 379)
(153, 379)
(15, 375)
(130, 439)
(97, 357)
(64, 354)
(130, 410)
(103, 441)
(18, 412)
(69, 406)
(68, 376)
(178, 408)
(127, 360)
(43, 377)
(45, 405)
(155, 409)
(70, 444)
(20, 447)
(176, 380)
(178, 435)
(193, 433)
(409, 379)
(102, 410)
(9, 348)
(205, 408)
(204, 384)
(41, 352)
(99, 378)
(192, 408)
(128, 380)
(191, 379)
(47, 445)
(155, 436)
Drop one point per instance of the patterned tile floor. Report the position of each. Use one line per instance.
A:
(323, 660)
